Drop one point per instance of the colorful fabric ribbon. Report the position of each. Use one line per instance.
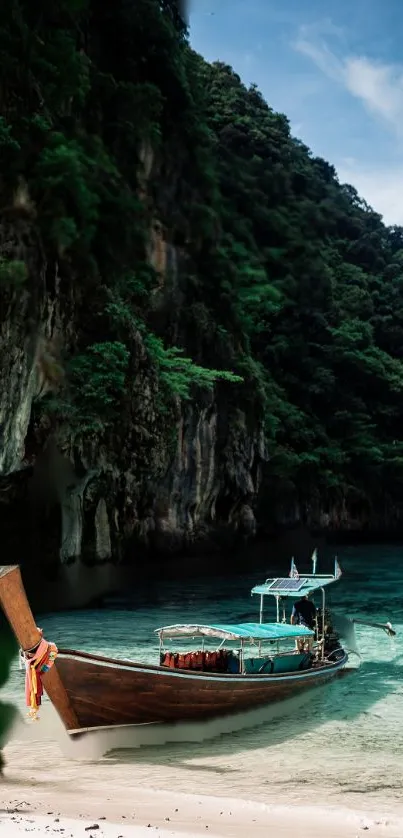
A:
(36, 663)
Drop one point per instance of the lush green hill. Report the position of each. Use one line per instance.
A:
(315, 295)
(271, 277)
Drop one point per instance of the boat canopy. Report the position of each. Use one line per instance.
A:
(237, 631)
(297, 587)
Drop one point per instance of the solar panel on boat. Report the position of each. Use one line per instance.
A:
(287, 584)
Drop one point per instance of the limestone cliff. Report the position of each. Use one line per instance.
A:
(101, 498)
(97, 241)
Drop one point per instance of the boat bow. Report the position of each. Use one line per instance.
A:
(14, 602)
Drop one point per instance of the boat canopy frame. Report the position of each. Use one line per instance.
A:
(285, 586)
(297, 586)
(251, 632)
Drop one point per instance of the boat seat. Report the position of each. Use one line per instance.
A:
(277, 665)
(233, 665)
(254, 666)
(291, 663)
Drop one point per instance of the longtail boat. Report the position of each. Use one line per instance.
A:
(234, 668)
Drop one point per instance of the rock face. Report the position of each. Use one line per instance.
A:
(108, 504)
(102, 499)
(347, 516)
(207, 486)
(23, 325)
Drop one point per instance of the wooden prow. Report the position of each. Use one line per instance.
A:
(16, 608)
(13, 601)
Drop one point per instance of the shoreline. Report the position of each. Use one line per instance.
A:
(180, 791)
(46, 793)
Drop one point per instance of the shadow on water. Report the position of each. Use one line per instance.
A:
(344, 700)
(78, 585)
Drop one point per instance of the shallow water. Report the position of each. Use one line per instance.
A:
(344, 740)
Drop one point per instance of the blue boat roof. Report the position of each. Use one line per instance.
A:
(294, 587)
(237, 631)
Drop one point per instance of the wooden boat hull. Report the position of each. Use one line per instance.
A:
(108, 693)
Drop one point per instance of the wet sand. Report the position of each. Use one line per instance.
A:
(46, 792)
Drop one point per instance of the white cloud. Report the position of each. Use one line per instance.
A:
(378, 86)
(312, 45)
(382, 188)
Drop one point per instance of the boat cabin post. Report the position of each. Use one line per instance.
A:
(261, 609)
(323, 622)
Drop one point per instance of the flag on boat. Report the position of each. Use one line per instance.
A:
(314, 559)
(337, 569)
(293, 571)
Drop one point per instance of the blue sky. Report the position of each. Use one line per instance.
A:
(334, 67)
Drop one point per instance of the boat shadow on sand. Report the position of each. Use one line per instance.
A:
(353, 694)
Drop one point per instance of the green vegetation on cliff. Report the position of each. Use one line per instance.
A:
(274, 272)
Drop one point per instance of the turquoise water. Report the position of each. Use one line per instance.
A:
(345, 739)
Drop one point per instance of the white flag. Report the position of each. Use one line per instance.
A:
(293, 571)
(337, 569)
(314, 559)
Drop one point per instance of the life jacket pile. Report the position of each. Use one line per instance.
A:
(197, 661)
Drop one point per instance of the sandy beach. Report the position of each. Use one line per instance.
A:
(178, 815)
(219, 818)
(46, 792)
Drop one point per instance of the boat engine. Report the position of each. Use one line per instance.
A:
(332, 644)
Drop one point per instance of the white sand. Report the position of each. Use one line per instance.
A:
(48, 793)
(14, 826)
(189, 816)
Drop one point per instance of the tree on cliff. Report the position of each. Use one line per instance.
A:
(284, 281)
